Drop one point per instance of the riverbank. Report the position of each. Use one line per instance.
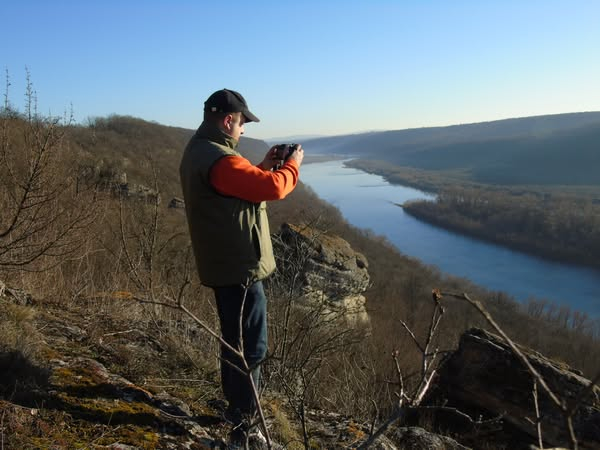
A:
(369, 202)
(554, 226)
(422, 180)
(428, 213)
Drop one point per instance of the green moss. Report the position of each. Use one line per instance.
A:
(139, 437)
(107, 411)
(49, 353)
(80, 376)
(87, 435)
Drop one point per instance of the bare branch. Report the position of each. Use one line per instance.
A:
(397, 415)
(480, 308)
(412, 335)
(538, 419)
(566, 412)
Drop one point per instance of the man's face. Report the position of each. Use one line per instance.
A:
(236, 126)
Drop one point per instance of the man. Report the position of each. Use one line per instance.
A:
(225, 206)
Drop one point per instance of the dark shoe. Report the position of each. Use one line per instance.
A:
(242, 434)
(238, 418)
(238, 438)
(257, 440)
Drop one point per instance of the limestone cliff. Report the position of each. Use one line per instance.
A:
(327, 268)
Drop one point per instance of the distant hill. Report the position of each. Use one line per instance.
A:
(553, 149)
(291, 139)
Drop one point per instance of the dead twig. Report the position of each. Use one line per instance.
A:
(427, 374)
(538, 419)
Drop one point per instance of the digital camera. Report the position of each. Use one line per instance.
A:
(284, 151)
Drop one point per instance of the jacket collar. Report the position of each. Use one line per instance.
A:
(214, 134)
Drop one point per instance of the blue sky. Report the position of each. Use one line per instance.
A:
(306, 67)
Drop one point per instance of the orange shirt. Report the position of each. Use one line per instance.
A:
(235, 176)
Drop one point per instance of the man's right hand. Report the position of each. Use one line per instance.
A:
(298, 155)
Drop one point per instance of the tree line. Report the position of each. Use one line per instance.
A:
(561, 227)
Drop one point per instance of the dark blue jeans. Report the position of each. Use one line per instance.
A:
(236, 387)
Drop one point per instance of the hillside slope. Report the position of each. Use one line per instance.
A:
(557, 149)
(137, 147)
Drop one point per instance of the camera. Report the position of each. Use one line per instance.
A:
(284, 151)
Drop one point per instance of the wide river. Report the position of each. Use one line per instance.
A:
(368, 201)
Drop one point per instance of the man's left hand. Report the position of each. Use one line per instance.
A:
(270, 160)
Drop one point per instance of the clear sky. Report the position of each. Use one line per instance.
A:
(306, 67)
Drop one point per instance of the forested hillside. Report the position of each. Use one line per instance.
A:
(551, 150)
(563, 227)
(137, 147)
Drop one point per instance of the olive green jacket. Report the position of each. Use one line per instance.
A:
(230, 236)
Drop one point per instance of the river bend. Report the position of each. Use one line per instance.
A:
(368, 201)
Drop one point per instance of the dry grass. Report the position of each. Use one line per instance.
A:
(20, 341)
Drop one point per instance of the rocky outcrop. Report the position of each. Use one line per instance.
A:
(114, 181)
(484, 377)
(327, 268)
(16, 296)
(333, 430)
(86, 389)
(418, 438)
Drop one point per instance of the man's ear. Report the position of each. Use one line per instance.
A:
(228, 122)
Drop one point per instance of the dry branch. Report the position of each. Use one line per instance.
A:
(567, 412)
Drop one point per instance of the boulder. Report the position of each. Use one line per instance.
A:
(417, 438)
(485, 378)
(326, 267)
(16, 296)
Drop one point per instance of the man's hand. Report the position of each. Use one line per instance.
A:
(298, 155)
(271, 160)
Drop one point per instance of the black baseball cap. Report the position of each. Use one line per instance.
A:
(228, 101)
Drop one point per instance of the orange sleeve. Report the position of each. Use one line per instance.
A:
(235, 176)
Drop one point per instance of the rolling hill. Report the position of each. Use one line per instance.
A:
(558, 149)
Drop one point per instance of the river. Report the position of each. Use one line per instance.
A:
(370, 202)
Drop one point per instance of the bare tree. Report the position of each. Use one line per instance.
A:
(42, 217)
(410, 399)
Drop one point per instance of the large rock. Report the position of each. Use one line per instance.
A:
(16, 296)
(326, 267)
(89, 392)
(414, 438)
(485, 377)
(333, 430)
